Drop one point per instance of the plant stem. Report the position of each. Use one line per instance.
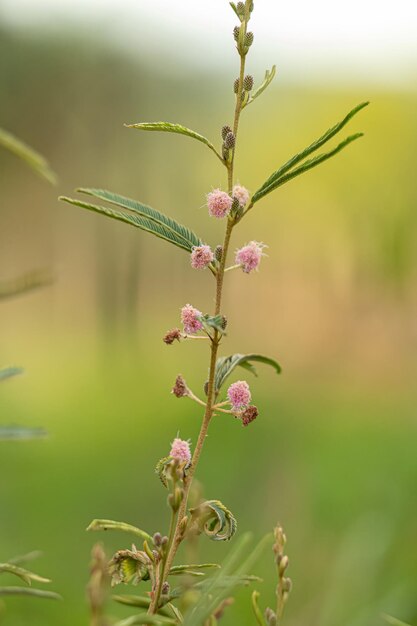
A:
(208, 413)
(153, 607)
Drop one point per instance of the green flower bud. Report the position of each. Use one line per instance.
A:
(248, 41)
(236, 85)
(229, 141)
(225, 130)
(236, 32)
(248, 83)
(218, 253)
(240, 7)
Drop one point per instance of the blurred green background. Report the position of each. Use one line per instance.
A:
(333, 454)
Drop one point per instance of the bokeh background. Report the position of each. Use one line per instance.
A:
(333, 453)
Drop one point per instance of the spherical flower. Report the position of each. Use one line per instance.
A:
(190, 319)
(180, 449)
(249, 256)
(239, 395)
(219, 203)
(201, 256)
(241, 194)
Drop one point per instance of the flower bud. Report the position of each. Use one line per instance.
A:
(236, 32)
(248, 41)
(206, 387)
(223, 323)
(165, 588)
(287, 585)
(236, 85)
(283, 564)
(248, 83)
(225, 130)
(230, 141)
(240, 7)
(270, 617)
(157, 539)
(218, 253)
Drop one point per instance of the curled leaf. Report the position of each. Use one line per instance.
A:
(129, 566)
(226, 364)
(35, 160)
(214, 520)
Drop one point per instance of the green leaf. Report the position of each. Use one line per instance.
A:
(15, 433)
(168, 127)
(9, 372)
(24, 558)
(129, 600)
(233, 5)
(180, 569)
(107, 524)
(226, 364)
(22, 284)
(35, 160)
(217, 323)
(307, 165)
(145, 618)
(24, 574)
(269, 77)
(214, 520)
(144, 218)
(28, 591)
(393, 621)
(274, 180)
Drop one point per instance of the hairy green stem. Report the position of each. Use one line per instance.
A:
(209, 411)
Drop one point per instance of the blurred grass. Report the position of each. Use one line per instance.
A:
(332, 455)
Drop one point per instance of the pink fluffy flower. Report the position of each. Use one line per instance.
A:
(219, 203)
(241, 194)
(239, 395)
(180, 450)
(190, 319)
(201, 256)
(249, 256)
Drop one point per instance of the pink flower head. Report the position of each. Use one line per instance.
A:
(180, 450)
(201, 256)
(241, 194)
(239, 395)
(219, 203)
(190, 319)
(249, 256)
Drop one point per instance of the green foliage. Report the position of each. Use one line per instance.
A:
(214, 520)
(106, 524)
(286, 171)
(216, 322)
(9, 372)
(257, 611)
(226, 364)
(14, 568)
(269, 77)
(167, 127)
(186, 569)
(141, 216)
(21, 572)
(35, 160)
(25, 591)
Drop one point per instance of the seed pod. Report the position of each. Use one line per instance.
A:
(225, 131)
(248, 83)
(236, 85)
(229, 141)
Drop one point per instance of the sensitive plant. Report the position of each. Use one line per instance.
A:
(151, 560)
